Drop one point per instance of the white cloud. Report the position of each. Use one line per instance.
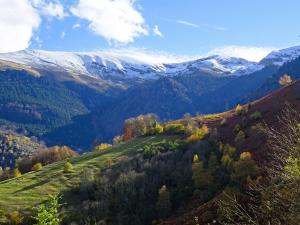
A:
(156, 31)
(246, 52)
(18, 20)
(186, 23)
(203, 25)
(117, 21)
(221, 28)
(144, 56)
(62, 35)
(38, 41)
(53, 9)
(138, 55)
(76, 25)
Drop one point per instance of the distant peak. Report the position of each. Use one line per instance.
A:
(282, 56)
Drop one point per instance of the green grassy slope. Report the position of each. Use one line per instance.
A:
(33, 188)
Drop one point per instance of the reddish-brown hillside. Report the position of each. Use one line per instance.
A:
(270, 107)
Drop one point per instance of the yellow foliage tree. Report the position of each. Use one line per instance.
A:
(196, 159)
(37, 167)
(102, 147)
(285, 80)
(245, 156)
(17, 173)
(239, 109)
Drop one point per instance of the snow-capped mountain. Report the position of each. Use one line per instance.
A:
(108, 64)
(118, 65)
(215, 65)
(280, 57)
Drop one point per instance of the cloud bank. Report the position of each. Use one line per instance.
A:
(250, 53)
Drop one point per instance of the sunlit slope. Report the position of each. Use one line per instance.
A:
(33, 188)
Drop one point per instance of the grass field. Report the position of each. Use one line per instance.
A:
(25, 192)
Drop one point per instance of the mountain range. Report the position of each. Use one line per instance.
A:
(79, 99)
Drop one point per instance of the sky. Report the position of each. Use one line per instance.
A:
(176, 29)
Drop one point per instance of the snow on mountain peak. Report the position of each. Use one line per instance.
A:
(122, 64)
(280, 57)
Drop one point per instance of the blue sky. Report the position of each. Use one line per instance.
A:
(178, 27)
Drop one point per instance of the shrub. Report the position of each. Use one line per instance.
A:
(49, 214)
(153, 149)
(157, 129)
(17, 173)
(256, 115)
(245, 156)
(68, 167)
(102, 147)
(37, 167)
(196, 158)
(239, 109)
(15, 218)
(2, 213)
(174, 128)
(198, 134)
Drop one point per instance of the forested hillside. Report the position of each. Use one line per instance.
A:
(182, 172)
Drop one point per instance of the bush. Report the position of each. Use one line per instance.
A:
(198, 134)
(49, 214)
(256, 115)
(174, 128)
(157, 129)
(15, 218)
(245, 156)
(102, 147)
(68, 167)
(240, 110)
(196, 158)
(37, 167)
(153, 149)
(17, 173)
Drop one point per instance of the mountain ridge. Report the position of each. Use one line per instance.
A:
(106, 65)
